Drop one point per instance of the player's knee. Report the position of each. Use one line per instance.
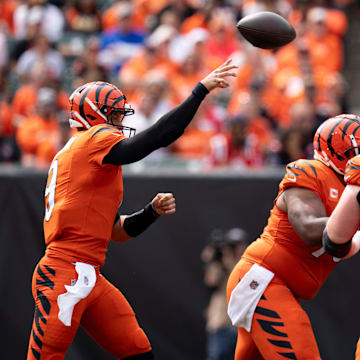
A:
(145, 356)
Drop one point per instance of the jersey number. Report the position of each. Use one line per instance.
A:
(50, 190)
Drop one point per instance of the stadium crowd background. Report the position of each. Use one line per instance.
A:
(156, 51)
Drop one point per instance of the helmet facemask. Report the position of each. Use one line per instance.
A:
(116, 115)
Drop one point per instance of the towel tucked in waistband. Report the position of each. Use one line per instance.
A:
(80, 290)
(246, 295)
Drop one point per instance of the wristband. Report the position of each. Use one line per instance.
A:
(334, 249)
(200, 91)
(139, 221)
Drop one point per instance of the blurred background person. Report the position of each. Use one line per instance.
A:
(221, 253)
(39, 135)
(122, 42)
(83, 16)
(33, 18)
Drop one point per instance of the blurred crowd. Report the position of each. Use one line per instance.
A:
(156, 51)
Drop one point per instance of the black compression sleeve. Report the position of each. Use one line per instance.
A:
(138, 222)
(164, 132)
(334, 249)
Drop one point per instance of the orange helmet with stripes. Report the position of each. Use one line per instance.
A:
(337, 140)
(93, 103)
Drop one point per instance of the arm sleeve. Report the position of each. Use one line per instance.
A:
(164, 132)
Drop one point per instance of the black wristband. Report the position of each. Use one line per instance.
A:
(200, 91)
(334, 249)
(138, 222)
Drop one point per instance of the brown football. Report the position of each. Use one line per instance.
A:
(266, 30)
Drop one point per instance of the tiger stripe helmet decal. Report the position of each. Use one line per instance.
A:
(337, 140)
(92, 103)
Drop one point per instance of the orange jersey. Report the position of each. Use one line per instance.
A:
(82, 196)
(302, 267)
(352, 173)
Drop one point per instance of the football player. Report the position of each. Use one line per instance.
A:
(339, 235)
(83, 192)
(288, 261)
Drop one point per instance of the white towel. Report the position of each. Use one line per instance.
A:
(80, 290)
(246, 295)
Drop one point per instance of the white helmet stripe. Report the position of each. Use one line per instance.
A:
(81, 120)
(95, 108)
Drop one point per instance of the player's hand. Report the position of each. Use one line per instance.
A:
(216, 79)
(164, 204)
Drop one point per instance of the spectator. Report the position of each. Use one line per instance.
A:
(84, 16)
(121, 43)
(25, 98)
(47, 17)
(237, 147)
(38, 129)
(41, 54)
(193, 144)
(223, 251)
(86, 68)
(153, 102)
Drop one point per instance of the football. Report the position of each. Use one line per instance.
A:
(266, 30)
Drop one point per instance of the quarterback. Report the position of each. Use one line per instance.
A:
(288, 261)
(83, 192)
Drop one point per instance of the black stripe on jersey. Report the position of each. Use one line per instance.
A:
(297, 167)
(280, 343)
(41, 316)
(122, 97)
(44, 301)
(268, 326)
(50, 270)
(45, 280)
(288, 355)
(102, 129)
(267, 312)
(98, 91)
(82, 101)
(35, 353)
(37, 340)
(312, 167)
(107, 96)
(37, 321)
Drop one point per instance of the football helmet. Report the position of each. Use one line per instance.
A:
(94, 103)
(337, 140)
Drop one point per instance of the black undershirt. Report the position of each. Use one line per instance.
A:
(164, 132)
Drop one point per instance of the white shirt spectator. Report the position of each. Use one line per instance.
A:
(49, 16)
(51, 61)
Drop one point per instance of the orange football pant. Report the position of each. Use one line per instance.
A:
(105, 314)
(280, 327)
(357, 355)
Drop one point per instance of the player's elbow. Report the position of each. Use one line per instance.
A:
(311, 233)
